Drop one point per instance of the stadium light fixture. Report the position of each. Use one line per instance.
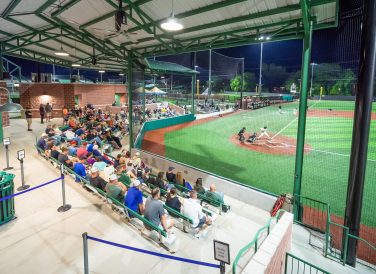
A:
(121, 74)
(171, 24)
(76, 65)
(61, 52)
(267, 37)
(101, 71)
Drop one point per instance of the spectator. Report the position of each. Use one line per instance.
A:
(172, 200)
(198, 186)
(82, 152)
(130, 171)
(42, 112)
(41, 143)
(170, 175)
(79, 169)
(214, 195)
(133, 199)
(159, 181)
(99, 164)
(48, 112)
(146, 176)
(117, 161)
(64, 159)
(54, 153)
(136, 160)
(193, 210)
(115, 189)
(29, 118)
(179, 179)
(155, 213)
(96, 180)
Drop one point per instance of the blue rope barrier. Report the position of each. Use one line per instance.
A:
(154, 253)
(30, 189)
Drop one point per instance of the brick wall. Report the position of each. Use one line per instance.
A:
(101, 94)
(60, 95)
(4, 100)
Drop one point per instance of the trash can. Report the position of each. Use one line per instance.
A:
(6, 188)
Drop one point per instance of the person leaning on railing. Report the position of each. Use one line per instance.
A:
(115, 189)
(133, 199)
(96, 180)
(198, 186)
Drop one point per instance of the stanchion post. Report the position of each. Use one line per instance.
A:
(222, 268)
(21, 157)
(64, 207)
(86, 253)
(6, 143)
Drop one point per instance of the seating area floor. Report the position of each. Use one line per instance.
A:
(42, 240)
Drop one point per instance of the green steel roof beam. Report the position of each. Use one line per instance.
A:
(30, 55)
(27, 33)
(112, 13)
(45, 6)
(241, 30)
(203, 9)
(143, 14)
(51, 38)
(11, 6)
(81, 36)
(314, 3)
(232, 20)
(67, 6)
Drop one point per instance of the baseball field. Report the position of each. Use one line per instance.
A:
(268, 164)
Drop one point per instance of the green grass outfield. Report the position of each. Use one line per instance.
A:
(325, 172)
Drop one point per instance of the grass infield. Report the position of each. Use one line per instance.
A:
(325, 171)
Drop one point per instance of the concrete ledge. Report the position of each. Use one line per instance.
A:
(270, 258)
(245, 194)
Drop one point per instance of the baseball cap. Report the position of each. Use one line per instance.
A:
(113, 177)
(44, 135)
(171, 168)
(95, 147)
(94, 169)
(137, 153)
(136, 183)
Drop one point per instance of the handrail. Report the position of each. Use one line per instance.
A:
(254, 241)
(304, 262)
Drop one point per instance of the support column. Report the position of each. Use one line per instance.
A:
(130, 98)
(242, 87)
(307, 41)
(193, 92)
(362, 121)
(1, 63)
(143, 93)
(210, 71)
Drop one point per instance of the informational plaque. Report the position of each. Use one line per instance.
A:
(21, 154)
(6, 141)
(221, 251)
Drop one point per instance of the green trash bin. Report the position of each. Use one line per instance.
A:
(6, 188)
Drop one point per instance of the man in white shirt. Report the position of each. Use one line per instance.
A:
(193, 210)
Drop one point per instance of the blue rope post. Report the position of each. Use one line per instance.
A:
(64, 207)
(86, 253)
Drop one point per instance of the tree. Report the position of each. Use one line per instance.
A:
(274, 76)
(249, 82)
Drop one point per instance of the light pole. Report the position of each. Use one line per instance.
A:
(261, 38)
(311, 89)
(101, 73)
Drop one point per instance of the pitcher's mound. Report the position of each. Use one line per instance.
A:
(279, 145)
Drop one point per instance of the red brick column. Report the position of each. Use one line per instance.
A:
(4, 100)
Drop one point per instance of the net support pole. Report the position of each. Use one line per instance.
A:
(361, 128)
(242, 86)
(307, 41)
(1, 63)
(193, 92)
(260, 71)
(143, 95)
(130, 98)
(210, 71)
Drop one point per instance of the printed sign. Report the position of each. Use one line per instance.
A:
(21, 154)
(6, 141)
(221, 251)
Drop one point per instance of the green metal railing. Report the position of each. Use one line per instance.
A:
(312, 213)
(256, 242)
(294, 265)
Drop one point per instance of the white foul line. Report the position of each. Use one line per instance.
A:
(279, 132)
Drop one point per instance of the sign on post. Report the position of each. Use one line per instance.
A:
(6, 141)
(222, 254)
(21, 154)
